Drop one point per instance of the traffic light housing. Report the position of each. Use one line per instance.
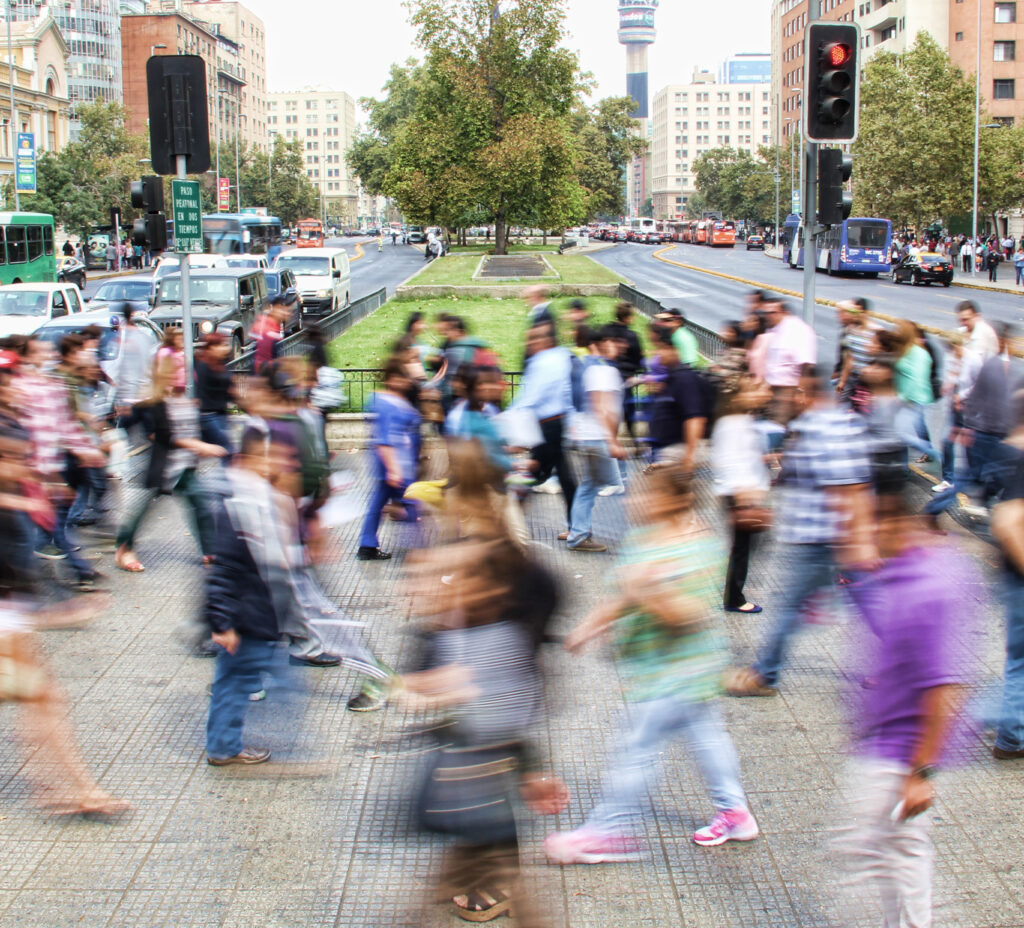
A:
(834, 169)
(150, 228)
(832, 92)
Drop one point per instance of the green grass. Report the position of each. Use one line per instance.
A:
(458, 270)
(484, 247)
(501, 323)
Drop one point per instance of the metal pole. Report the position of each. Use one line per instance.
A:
(218, 152)
(977, 133)
(186, 300)
(810, 199)
(238, 183)
(14, 117)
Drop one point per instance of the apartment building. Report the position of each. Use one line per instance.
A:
(690, 119)
(1001, 36)
(324, 121)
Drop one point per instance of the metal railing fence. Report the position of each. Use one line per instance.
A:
(709, 342)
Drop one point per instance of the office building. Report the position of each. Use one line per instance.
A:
(690, 119)
(1001, 37)
(746, 68)
(324, 121)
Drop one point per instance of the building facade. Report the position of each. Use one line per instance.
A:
(690, 119)
(92, 31)
(324, 121)
(1001, 37)
(746, 68)
(40, 89)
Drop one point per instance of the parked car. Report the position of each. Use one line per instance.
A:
(111, 326)
(113, 294)
(924, 268)
(281, 279)
(755, 241)
(225, 300)
(622, 235)
(25, 307)
(71, 270)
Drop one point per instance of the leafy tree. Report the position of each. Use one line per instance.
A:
(739, 185)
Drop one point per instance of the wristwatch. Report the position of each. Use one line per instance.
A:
(925, 772)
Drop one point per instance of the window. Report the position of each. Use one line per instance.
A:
(1005, 120)
(1003, 89)
(1006, 13)
(959, 36)
(1004, 51)
(15, 244)
(48, 234)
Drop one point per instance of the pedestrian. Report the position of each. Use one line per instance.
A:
(1008, 529)
(214, 391)
(1018, 263)
(539, 304)
(68, 249)
(855, 346)
(629, 361)
(992, 259)
(683, 340)
(594, 431)
(913, 382)
(822, 519)
(742, 482)
(671, 660)
(959, 374)
(967, 255)
(981, 337)
(133, 378)
(111, 255)
(380, 242)
(170, 357)
(790, 346)
(679, 405)
(268, 330)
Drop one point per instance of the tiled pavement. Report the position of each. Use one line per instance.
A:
(207, 847)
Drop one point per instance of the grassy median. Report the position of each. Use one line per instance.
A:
(458, 271)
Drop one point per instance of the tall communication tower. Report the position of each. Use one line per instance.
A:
(636, 32)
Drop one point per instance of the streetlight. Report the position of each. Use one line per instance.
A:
(153, 48)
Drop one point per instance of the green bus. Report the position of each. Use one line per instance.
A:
(26, 248)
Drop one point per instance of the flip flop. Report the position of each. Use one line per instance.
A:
(483, 906)
(132, 567)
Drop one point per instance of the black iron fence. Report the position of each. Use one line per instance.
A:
(709, 342)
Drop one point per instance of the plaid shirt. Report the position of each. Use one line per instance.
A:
(48, 416)
(826, 448)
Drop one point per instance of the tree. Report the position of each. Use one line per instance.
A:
(739, 185)
(606, 142)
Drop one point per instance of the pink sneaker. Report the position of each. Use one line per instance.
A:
(586, 846)
(731, 825)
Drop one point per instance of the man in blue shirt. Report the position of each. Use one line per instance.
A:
(547, 392)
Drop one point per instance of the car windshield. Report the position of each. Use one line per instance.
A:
(110, 341)
(302, 264)
(201, 290)
(866, 234)
(24, 302)
(114, 290)
(243, 262)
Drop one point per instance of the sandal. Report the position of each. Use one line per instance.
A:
(133, 566)
(482, 906)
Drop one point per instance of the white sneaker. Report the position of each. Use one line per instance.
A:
(616, 490)
(939, 487)
(975, 510)
(551, 485)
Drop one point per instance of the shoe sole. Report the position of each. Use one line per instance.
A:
(232, 762)
(723, 839)
(623, 858)
(375, 708)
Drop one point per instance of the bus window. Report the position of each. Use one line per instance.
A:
(48, 239)
(866, 234)
(15, 244)
(3, 250)
(35, 242)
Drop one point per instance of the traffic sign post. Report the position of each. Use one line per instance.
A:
(188, 239)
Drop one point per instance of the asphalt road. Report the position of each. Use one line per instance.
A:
(710, 300)
(389, 268)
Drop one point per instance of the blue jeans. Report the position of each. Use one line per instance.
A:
(1010, 734)
(811, 568)
(956, 421)
(627, 785)
(595, 469)
(235, 677)
(213, 428)
(83, 569)
(91, 490)
(912, 429)
(383, 494)
(983, 455)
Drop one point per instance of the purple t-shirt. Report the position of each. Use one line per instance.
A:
(918, 627)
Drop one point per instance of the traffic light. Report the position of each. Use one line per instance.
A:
(833, 81)
(834, 169)
(151, 227)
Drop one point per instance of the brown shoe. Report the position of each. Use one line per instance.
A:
(588, 544)
(745, 681)
(563, 536)
(245, 756)
(1002, 754)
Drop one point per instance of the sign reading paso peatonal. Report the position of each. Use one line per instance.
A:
(25, 163)
(188, 216)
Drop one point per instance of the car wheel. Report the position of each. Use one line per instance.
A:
(895, 278)
(946, 283)
(236, 346)
(915, 280)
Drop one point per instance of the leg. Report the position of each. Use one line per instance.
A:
(909, 424)
(812, 568)
(130, 527)
(706, 736)
(736, 573)
(189, 487)
(235, 677)
(213, 429)
(596, 471)
(371, 522)
(565, 477)
(82, 568)
(1010, 735)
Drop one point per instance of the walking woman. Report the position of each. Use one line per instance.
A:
(214, 390)
(174, 457)
(172, 350)
(741, 480)
(914, 386)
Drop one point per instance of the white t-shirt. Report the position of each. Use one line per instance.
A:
(598, 377)
(983, 341)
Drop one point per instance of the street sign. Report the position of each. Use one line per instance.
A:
(796, 203)
(25, 163)
(188, 216)
(224, 194)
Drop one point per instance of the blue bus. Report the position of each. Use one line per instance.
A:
(242, 233)
(859, 245)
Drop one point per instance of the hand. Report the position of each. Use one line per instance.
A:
(394, 479)
(228, 640)
(616, 451)
(580, 637)
(543, 793)
(212, 451)
(918, 796)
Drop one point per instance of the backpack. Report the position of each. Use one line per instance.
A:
(578, 368)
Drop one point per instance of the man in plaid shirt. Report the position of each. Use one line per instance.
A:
(56, 433)
(824, 516)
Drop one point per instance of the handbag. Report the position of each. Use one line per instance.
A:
(20, 677)
(751, 519)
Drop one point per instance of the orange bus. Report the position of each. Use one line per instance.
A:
(722, 233)
(700, 232)
(310, 234)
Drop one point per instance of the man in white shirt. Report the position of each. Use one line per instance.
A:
(594, 432)
(792, 347)
(981, 337)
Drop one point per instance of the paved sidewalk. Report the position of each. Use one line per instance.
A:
(208, 847)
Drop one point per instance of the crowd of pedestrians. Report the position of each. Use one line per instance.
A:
(982, 254)
(816, 451)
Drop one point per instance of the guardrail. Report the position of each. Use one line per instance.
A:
(332, 326)
(709, 343)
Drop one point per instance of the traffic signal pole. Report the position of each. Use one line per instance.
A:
(810, 204)
(186, 296)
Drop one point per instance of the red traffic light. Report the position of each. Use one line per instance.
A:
(838, 53)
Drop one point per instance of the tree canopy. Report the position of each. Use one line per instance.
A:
(740, 185)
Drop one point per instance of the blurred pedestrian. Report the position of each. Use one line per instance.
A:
(914, 386)
(170, 358)
(214, 391)
(790, 346)
(679, 404)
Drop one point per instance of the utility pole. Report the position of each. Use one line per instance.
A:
(238, 182)
(14, 116)
(808, 194)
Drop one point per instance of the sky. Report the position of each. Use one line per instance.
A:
(350, 44)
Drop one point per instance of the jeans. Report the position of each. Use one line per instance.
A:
(983, 454)
(626, 787)
(1010, 734)
(956, 421)
(896, 856)
(993, 272)
(811, 568)
(189, 487)
(551, 457)
(596, 469)
(91, 489)
(382, 495)
(82, 568)
(235, 677)
(912, 429)
(1019, 268)
(213, 428)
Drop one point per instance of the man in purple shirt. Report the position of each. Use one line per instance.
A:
(917, 631)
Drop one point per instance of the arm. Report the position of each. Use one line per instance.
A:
(693, 432)
(1008, 527)
(939, 705)
(856, 501)
(608, 415)
(389, 458)
(596, 622)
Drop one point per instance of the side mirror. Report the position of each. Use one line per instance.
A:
(337, 274)
(248, 302)
(290, 293)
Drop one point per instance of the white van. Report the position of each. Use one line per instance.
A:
(322, 278)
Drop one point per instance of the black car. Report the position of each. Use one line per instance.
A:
(755, 241)
(924, 268)
(136, 291)
(71, 271)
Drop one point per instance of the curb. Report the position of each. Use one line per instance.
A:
(984, 287)
(106, 275)
(359, 253)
